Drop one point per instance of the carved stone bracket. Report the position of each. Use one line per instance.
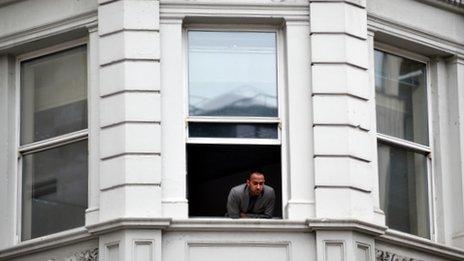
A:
(86, 255)
(382, 255)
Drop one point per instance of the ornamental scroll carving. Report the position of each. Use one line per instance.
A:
(86, 255)
(382, 255)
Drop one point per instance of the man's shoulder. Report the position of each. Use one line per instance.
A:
(268, 190)
(238, 188)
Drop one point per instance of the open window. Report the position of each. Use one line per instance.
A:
(404, 150)
(233, 116)
(53, 140)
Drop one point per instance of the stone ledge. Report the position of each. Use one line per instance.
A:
(380, 233)
(128, 223)
(345, 224)
(421, 244)
(248, 225)
(46, 242)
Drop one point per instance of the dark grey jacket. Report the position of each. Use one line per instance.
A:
(239, 197)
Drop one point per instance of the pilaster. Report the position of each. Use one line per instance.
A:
(299, 122)
(130, 131)
(453, 182)
(343, 127)
(8, 178)
(93, 101)
(130, 126)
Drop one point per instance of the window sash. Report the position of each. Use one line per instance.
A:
(46, 144)
(238, 119)
(427, 150)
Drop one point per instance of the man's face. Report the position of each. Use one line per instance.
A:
(256, 184)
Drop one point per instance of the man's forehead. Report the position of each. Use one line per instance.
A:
(257, 176)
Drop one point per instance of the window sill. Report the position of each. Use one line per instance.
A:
(46, 242)
(422, 244)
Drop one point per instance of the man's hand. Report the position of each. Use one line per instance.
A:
(243, 215)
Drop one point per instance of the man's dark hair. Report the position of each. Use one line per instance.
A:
(255, 171)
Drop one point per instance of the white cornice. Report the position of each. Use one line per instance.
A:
(422, 244)
(291, 11)
(128, 223)
(82, 21)
(46, 243)
(344, 225)
(380, 233)
(380, 24)
(226, 224)
(442, 4)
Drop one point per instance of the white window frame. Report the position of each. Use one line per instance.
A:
(281, 98)
(46, 144)
(413, 146)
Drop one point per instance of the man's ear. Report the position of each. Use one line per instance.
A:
(248, 182)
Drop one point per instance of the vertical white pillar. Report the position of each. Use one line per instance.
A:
(7, 153)
(130, 126)
(174, 170)
(93, 104)
(130, 117)
(299, 122)
(453, 185)
(344, 133)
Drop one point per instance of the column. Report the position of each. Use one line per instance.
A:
(130, 128)
(299, 122)
(344, 133)
(342, 115)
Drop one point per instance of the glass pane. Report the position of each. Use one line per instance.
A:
(232, 74)
(401, 97)
(53, 95)
(404, 189)
(54, 194)
(233, 130)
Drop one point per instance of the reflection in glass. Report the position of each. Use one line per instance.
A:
(232, 74)
(233, 130)
(403, 189)
(53, 95)
(54, 193)
(401, 97)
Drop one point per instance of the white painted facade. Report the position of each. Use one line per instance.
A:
(137, 89)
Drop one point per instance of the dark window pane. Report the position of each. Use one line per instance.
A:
(404, 189)
(401, 97)
(54, 196)
(214, 169)
(232, 74)
(233, 130)
(53, 95)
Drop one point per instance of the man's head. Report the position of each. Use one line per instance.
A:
(255, 183)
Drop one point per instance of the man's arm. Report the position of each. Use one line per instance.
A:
(269, 210)
(233, 205)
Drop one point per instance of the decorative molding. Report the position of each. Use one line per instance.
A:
(382, 255)
(456, 6)
(128, 223)
(380, 24)
(85, 255)
(55, 28)
(46, 243)
(344, 225)
(421, 244)
(247, 225)
(290, 11)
